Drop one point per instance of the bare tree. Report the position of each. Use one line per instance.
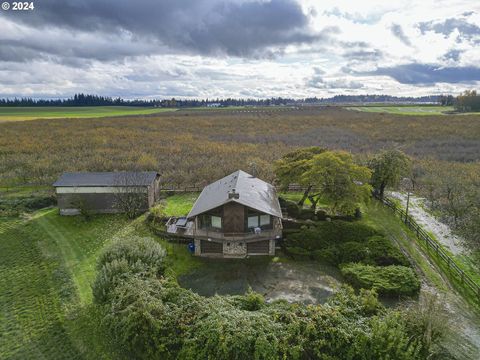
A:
(131, 193)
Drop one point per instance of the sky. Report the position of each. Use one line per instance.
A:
(239, 48)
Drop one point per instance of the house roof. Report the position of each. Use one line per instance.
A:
(249, 191)
(124, 178)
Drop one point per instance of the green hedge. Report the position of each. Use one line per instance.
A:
(386, 280)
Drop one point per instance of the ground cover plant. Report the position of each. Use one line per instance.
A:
(406, 109)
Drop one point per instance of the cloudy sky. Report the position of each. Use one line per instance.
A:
(239, 48)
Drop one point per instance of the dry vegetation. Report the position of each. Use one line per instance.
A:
(194, 147)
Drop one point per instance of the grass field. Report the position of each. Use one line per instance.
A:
(47, 265)
(33, 113)
(405, 109)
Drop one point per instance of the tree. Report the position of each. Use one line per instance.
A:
(388, 168)
(468, 101)
(130, 198)
(291, 167)
(339, 180)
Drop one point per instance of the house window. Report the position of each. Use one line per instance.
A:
(256, 219)
(216, 222)
(264, 220)
(253, 221)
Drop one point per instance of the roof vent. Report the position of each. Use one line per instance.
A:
(233, 195)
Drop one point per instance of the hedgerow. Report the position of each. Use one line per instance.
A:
(386, 280)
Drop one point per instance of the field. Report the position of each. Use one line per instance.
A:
(405, 109)
(47, 261)
(33, 113)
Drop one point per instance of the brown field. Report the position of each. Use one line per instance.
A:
(190, 147)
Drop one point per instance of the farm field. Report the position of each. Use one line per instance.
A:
(33, 113)
(405, 109)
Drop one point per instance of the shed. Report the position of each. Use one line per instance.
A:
(104, 192)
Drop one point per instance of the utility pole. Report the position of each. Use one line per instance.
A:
(408, 203)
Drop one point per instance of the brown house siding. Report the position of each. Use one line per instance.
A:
(233, 218)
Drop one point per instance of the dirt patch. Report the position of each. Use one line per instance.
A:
(303, 282)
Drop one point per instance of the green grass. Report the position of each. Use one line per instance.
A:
(32, 113)
(179, 204)
(405, 109)
(384, 220)
(47, 264)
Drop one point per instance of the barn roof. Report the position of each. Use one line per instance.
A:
(123, 178)
(241, 188)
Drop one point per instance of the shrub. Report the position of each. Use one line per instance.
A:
(111, 275)
(292, 208)
(228, 333)
(387, 280)
(382, 252)
(306, 214)
(141, 325)
(352, 252)
(252, 301)
(134, 250)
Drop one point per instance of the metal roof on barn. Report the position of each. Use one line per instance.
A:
(241, 188)
(122, 178)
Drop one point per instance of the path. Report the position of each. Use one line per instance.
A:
(428, 222)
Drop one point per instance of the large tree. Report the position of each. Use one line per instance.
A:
(339, 180)
(388, 167)
(291, 167)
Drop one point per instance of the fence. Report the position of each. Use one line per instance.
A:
(198, 188)
(432, 244)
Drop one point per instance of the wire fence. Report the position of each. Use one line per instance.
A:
(434, 246)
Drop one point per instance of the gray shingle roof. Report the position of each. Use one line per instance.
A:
(252, 192)
(124, 178)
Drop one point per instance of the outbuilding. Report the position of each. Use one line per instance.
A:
(106, 192)
(236, 216)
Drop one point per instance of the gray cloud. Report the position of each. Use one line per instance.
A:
(466, 29)
(317, 81)
(211, 27)
(397, 31)
(424, 74)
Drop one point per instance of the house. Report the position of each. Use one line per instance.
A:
(236, 216)
(106, 192)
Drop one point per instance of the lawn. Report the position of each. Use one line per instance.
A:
(405, 109)
(47, 265)
(51, 112)
(179, 204)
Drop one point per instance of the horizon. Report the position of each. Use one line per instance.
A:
(242, 49)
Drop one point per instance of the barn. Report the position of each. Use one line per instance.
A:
(236, 216)
(106, 192)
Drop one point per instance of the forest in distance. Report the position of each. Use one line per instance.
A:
(194, 148)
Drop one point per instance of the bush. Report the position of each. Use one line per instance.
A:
(382, 252)
(292, 208)
(386, 280)
(111, 275)
(306, 214)
(134, 250)
(352, 252)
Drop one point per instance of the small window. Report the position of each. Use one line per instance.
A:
(216, 222)
(264, 220)
(253, 221)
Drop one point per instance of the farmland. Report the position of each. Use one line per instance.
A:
(47, 262)
(33, 113)
(417, 110)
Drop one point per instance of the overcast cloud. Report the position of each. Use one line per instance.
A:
(239, 48)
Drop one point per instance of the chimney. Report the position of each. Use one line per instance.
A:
(233, 195)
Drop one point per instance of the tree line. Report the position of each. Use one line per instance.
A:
(97, 100)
